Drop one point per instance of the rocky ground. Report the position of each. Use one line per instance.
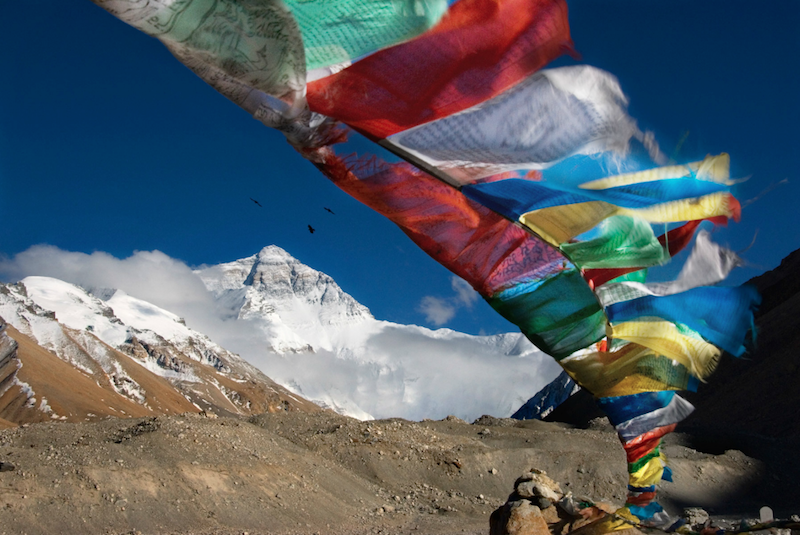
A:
(304, 473)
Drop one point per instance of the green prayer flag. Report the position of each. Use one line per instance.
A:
(340, 31)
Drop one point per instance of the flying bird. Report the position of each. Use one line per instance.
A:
(328, 209)
(255, 201)
(311, 229)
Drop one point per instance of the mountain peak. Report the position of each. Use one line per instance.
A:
(288, 296)
(272, 253)
(271, 260)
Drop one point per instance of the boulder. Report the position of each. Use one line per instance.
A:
(520, 517)
(536, 484)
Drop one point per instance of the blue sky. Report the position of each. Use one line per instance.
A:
(108, 144)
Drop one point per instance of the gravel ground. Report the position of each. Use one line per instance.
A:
(300, 473)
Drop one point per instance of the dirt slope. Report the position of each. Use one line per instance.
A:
(302, 473)
(74, 394)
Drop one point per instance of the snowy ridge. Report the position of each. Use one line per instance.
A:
(123, 352)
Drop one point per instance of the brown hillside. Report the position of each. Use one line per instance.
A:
(72, 394)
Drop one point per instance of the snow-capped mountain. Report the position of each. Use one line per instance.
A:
(548, 398)
(331, 349)
(288, 321)
(298, 308)
(145, 358)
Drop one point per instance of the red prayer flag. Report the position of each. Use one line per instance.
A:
(479, 49)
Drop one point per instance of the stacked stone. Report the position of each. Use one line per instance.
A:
(538, 506)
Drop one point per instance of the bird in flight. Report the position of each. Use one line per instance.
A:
(311, 229)
(328, 209)
(255, 201)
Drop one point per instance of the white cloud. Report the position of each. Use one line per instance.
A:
(437, 310)
(440, 310)
(465, 294)
(148, 275)
(414, 375)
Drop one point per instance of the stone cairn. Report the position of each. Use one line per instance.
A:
(538, 506)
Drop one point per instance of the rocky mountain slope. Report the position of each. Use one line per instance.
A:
(304, 307)
(747, 399)
(548, 398)
(78, 360)
(758, 393)
(295, 472)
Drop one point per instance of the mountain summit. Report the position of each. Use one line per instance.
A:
(291, 300)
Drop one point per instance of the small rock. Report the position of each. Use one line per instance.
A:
(765, 514)
(606, 507)
(537, 489)
(493, 471)
(696, 517)
(452, 418)
(536, 484)
(7, 467)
